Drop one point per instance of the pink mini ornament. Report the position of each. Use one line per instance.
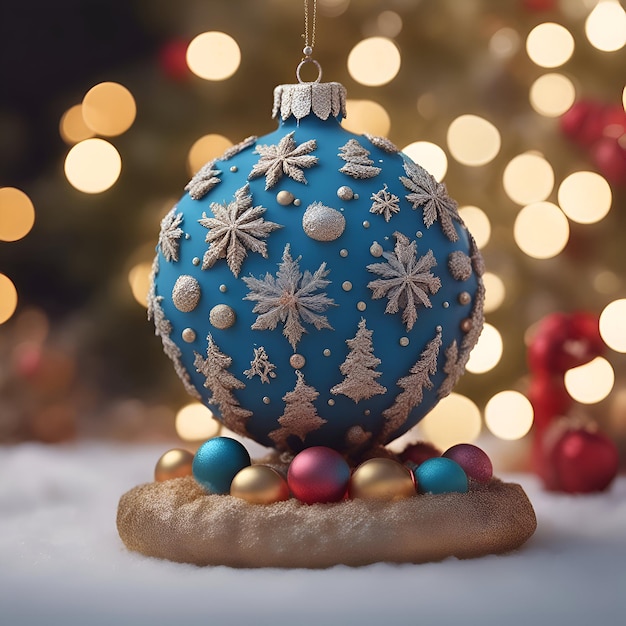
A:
(474, 461)
(318, 474)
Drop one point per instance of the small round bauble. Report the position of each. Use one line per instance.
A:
(259, 484)
(314, 280)
(381, 479)
(440, 475)
(318, 474)
(174, 463)
(216, 463)
(417, 453)
(474, 461)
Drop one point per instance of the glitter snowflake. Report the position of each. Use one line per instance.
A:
(234, 229)
(261, 366)
(170, 234)
(405, 279)
(385, 203)
(382, 143)
(432, 198)
(203, 181)
(285, 158)
(290, 298)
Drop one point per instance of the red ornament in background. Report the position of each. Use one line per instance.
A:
(417, 453)
(584, 122)
(566, 456)
(173, 59)
(610, 158)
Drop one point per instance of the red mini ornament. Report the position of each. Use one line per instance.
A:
(318, 474)
(581, 459)
(419, 452)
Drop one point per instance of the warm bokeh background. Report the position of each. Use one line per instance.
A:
(511, 104)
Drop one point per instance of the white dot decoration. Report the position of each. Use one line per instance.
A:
(186, 293)
(361, 306)
(234, 169)
(343, 253)
(331, 402)
(266, 400)
(297, 361)
(346, 285)
(327, 352)
(284, 198)
(223, 288)
(345, 193)
(189, 335)
(404, 341)
(222, 316)
(376, 250)
(195, 260)
(323, 223)
(366, 224)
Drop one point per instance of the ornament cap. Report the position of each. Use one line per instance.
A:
(304, 99)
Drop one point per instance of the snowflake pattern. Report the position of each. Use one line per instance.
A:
(382, 143)
(285, 158)
(290, 298)
(385, 203)
(261, 366)
(432, 197)
(238, 147)
(203, 181)
(405, 279)
(234, 229)
(170, 233)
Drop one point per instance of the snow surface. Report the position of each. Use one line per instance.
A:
(62, 562)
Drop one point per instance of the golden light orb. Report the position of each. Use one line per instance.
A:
(204, 149)
(72, 126)
(590, 383)
(509, 415)
(541, 230)
(213, 55)
(605, 26)
(374, 61)
(17, 214)
(552, 95)
(139, 281)
(195, 422)
(93, 165)
(455, 419)
(472, 140)
(477, 223)
(366, 116)
(487, 352)
(495, 292)
(549, 45)
(585, 197)
(612, 326)
(109, 109)
(528, 178)
(8, 298)
(430, 156)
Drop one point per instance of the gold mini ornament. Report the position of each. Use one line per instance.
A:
(175, 463)
(381, 479)
(259, 484)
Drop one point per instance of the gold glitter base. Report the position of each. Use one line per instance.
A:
(177, 520)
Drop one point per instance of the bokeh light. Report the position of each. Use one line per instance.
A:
(389, 23)
(333, 8)
(509, 415)
(72, 126)
(585, 197)
(613, 326)
(455, 419)
(487, 353)
(552, 95)
(495, 292)
(93, 165)
(605, 26)
(528, 178)
(473, 140)
(590, 383)
(374, 61)
(541, 230)
(195, 422)
(549, 45)
(477, 223)
(430, 156)
(624, 98)
(206, 148)
(109, 109)
(17, 214)
(366, 116)
(504, 43)
(139, 281)
(213, 56)
(8, 298)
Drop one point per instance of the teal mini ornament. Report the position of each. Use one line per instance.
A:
(315, 287)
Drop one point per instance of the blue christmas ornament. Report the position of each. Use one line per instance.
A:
(217, 462)
(440, 475)
(315, 287)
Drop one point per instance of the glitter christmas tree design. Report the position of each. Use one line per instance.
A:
(261, 366)
(221, 383)
(300, 416)
(358, 164)
(359, 368)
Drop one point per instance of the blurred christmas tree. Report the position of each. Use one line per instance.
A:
(506, 101)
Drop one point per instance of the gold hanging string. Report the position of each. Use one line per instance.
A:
(310, 25)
